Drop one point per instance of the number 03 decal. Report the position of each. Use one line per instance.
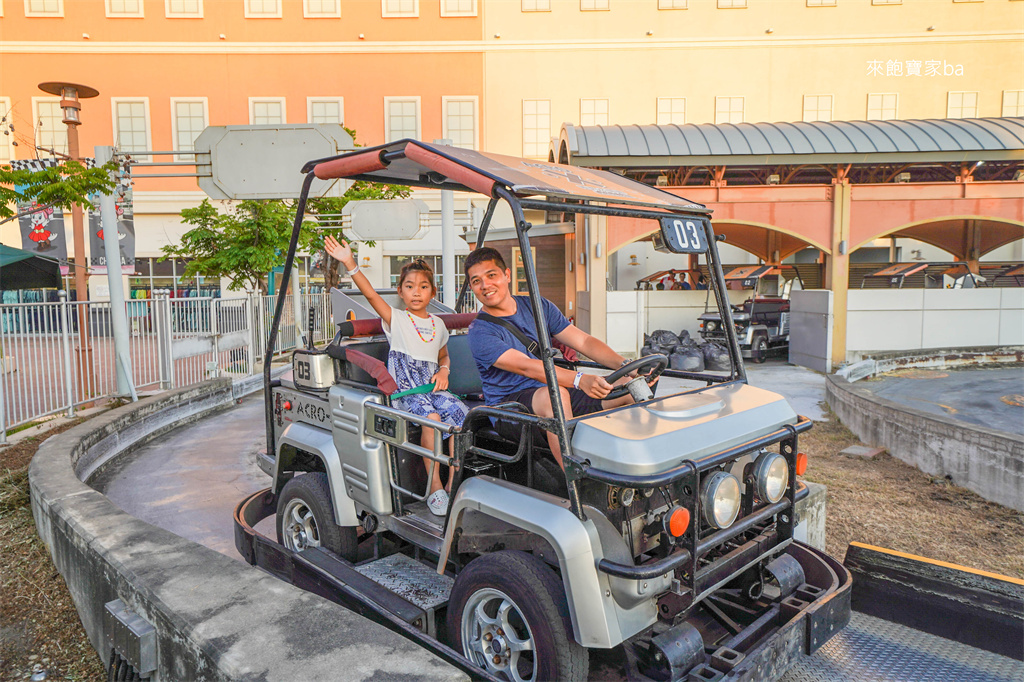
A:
(683, 236)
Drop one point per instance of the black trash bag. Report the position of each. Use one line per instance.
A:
(688, 359)
(716, 356)
(648, 350)
(663, 338)
(684, 338)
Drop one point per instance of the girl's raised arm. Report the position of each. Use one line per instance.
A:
(343, 252)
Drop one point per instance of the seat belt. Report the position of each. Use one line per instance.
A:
(532, 346)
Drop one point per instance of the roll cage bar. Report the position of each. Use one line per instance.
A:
(586, 191)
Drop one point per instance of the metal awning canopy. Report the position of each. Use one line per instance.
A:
(900, 270)
(756, 271)
(416, 163)
(25, 270)
(815, 142)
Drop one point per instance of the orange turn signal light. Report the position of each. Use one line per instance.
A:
(678, 521)
(801, 463)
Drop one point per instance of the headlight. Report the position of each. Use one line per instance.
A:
(712, 326)
(771, 474)
(720, 499)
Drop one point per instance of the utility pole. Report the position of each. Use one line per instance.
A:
(449, 294)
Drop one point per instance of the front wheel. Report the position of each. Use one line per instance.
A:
(508, 615)
(759, 349)
(305, 518)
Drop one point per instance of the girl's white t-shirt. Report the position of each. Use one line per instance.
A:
(419, 338)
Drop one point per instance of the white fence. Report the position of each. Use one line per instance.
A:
(172, 342)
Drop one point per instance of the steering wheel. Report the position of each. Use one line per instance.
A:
(657, 362)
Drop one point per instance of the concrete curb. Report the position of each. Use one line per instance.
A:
(215, 618)
(989, 462)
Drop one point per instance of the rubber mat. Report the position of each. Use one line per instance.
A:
(874, 649)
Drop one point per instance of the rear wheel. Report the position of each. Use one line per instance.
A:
(759, 349)
(305, 518)
(508, 614)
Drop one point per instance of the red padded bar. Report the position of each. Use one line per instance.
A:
(347, 166)
(375, 368)
(448, 168)
(375, 326)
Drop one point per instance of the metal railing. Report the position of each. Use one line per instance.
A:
(173, 342)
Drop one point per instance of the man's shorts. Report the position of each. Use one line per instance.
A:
(581, 404)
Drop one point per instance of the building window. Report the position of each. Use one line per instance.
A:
(184, 9)
(44, 8)
(821, 3)
(402, 118)
(519, 287)
(882, 106)
(593, 112)
(458, 8)
(124, 8)
(267, 111)
(536, 5)
(732, 4)
(817, 107)
(728, 110)
(672, 4)
(460, 121)
(321, 9)
(536, 127)
(1013, 102)
(399, 8)
(962, 105)
(6, 137)
(51, 133)
(594, 5)
(188, 119)
(671, 110)
(263, 9)
(131, 126)
(325, 109)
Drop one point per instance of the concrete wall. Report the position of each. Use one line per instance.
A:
(215, 618)
(810, 329)
(883, 320)
(989, 462)
(631, 314)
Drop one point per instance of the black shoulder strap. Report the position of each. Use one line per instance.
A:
(515, 331)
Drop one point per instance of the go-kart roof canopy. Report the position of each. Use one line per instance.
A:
(411, 162)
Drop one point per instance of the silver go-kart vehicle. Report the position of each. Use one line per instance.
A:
(669, 539)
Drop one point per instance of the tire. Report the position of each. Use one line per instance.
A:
(759, 349)
(515, 591)
(305, 518)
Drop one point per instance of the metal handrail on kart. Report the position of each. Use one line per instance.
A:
(435, 456)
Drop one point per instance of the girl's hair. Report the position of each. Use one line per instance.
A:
(418, 265)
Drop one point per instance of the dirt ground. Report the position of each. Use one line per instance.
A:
(881, 502)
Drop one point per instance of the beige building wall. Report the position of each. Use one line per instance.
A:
(772, 53)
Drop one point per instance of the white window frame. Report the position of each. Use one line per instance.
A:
(538, 6)
(447, 13)
(821, 3)
(732, 4)
(385, 14)
(6, 141)
(249, 14)
(387, 116)
(594, 114)
(1020, 102)
(949, 103)
(886, 2)
(546, 143)
(114, 101)
(308, 14)
(36, 140)
(657, 111)
(284, 108)
(125, 15)
(673, 4)
(29, 12)
(743, 111)
(895, 111)
(174, 122)
(311, 100)
(170, 14)
(595, 5)
(476, 115)
(817, 108)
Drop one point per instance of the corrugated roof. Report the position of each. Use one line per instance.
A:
(962, 139)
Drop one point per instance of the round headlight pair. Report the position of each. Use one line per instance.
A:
(720, 499)
(771, 476)
(711, 326)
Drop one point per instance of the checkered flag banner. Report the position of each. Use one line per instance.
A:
(40, 164)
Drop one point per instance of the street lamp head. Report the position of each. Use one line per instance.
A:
(70, 96)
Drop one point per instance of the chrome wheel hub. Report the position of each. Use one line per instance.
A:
(496, 637)
(300, 529)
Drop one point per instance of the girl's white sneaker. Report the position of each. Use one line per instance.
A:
(437, 503)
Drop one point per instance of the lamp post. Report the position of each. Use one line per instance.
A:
(70, 96)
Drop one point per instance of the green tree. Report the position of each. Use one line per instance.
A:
(60, 186)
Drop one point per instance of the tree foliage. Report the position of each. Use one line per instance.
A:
(60, 186)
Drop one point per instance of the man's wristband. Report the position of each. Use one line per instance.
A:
(576, 381)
